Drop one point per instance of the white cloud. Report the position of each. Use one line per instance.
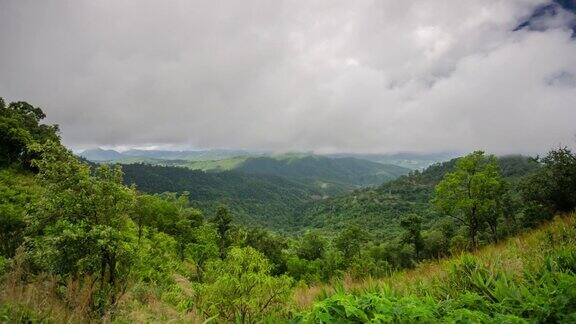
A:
(368, 76)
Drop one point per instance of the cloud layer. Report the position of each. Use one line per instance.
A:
(363, 76)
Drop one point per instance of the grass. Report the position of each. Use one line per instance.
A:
(529, 276)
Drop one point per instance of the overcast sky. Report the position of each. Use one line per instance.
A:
(327, 76)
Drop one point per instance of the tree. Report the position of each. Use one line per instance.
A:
(169, 213)
(204, 247)
(553, 187)
(312, 246)
(271, 245)
(223, 221)
(19, 128)
(350, 241)
(447, 227)
(80, 228)
(189, 219)
(240, 287)
(17, 190)
(470, 193)
(412, 224)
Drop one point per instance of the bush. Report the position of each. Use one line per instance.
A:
(241, 288)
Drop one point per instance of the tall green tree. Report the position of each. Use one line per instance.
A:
(81, 226)
(471, 193)
(271, 245)
(312, 246)
(553, 187)
(412, 225)
(350, 241)
(20, 126)
(204, 248)
(223, 223)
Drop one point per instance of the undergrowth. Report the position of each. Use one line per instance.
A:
(530, 278)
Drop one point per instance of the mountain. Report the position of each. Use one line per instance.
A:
(330, 175)
(255, 199)
(188, 155)
(378, 210)
(162, 156)
(413, 161)
(98, 155)
(323, 171)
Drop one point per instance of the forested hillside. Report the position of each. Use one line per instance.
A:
(323, 171)
(78, 245)
(328, 175)
(99, 154)
(289, 202)
(255, 199)
(379, 210)
(266, 191)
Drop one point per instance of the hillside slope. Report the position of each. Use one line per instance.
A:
(528, 278)
(330, 176)
(255, 199)
(323, 170)
(100, 155)
(378, 210)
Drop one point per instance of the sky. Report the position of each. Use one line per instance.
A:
(323, 76)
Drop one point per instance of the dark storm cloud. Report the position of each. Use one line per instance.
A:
(367, 76)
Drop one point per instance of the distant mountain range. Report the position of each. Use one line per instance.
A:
(264, 190)
(330, 175)
(346, 172)
(102, 155)
(414, 161)
(220, 160)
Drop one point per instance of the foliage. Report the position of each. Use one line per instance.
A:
(350, 241)
(18, 190)
(170, 214)
(312, 246)
(80, 225)
(553, 187)
(412, 224)
(271, 245)
(472, 193)
(19, 127)
(473, 288)
(222, 222)
(241, 288)
(261, 200)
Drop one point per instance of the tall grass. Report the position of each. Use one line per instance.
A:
(530, 277)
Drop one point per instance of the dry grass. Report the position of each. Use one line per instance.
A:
(513, 255)
(70, 302)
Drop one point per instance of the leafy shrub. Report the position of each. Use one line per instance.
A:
(4, 265)
(241, 288)
(471, 291)
(20, 314)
